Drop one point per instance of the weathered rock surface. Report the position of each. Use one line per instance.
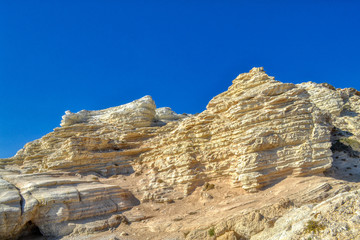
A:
(254, 134)
(336, 218)
(342, 107)
(92, 141)
(56, 203)
(257, 133)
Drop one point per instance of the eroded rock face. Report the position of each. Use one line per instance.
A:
(101, 141)
(56, 203)
(256, 133)
(335, 218)
(52, 182)
(342, 109)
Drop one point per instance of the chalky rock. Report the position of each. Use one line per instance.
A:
(335, 218)
(251, 136)
(55, 203)
(256, 133)
(165, 115)
(103, 141)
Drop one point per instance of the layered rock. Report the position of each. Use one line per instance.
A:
(38, 189)
(104, 141)
(92, 141)
(342, 108)
(56, 203)
(256, 133)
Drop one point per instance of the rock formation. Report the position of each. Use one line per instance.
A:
(254, 134)
(56, 203)
(90, 173)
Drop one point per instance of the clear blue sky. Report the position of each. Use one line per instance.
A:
(71, 55)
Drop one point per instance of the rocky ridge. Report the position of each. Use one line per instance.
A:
(104, 168)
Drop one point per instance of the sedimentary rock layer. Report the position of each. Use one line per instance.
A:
(256, 133)
(55, 203)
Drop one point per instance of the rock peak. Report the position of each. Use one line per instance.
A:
(144, 107)
(257, 69)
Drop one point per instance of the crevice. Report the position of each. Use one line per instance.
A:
(117, 207)
(346, 153)
(78, 194)
(31, 231)
(22, 200)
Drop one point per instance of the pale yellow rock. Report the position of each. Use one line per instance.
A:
(251, 136)
(10, 209)
(55, 203)
(335, 218)
(342, 109)
(228, 236)
(257, 132)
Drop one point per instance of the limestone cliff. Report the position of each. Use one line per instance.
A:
(88, 174)
(254, 134)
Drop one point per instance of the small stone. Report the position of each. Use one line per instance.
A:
(124, 234)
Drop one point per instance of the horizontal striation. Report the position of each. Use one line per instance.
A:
(254, 134)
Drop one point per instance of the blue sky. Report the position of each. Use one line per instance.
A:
(71, 55)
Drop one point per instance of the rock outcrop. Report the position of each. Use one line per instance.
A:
(342, 108)
(55, 203)
(255, 134)
(52, 182)
(336, 218)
